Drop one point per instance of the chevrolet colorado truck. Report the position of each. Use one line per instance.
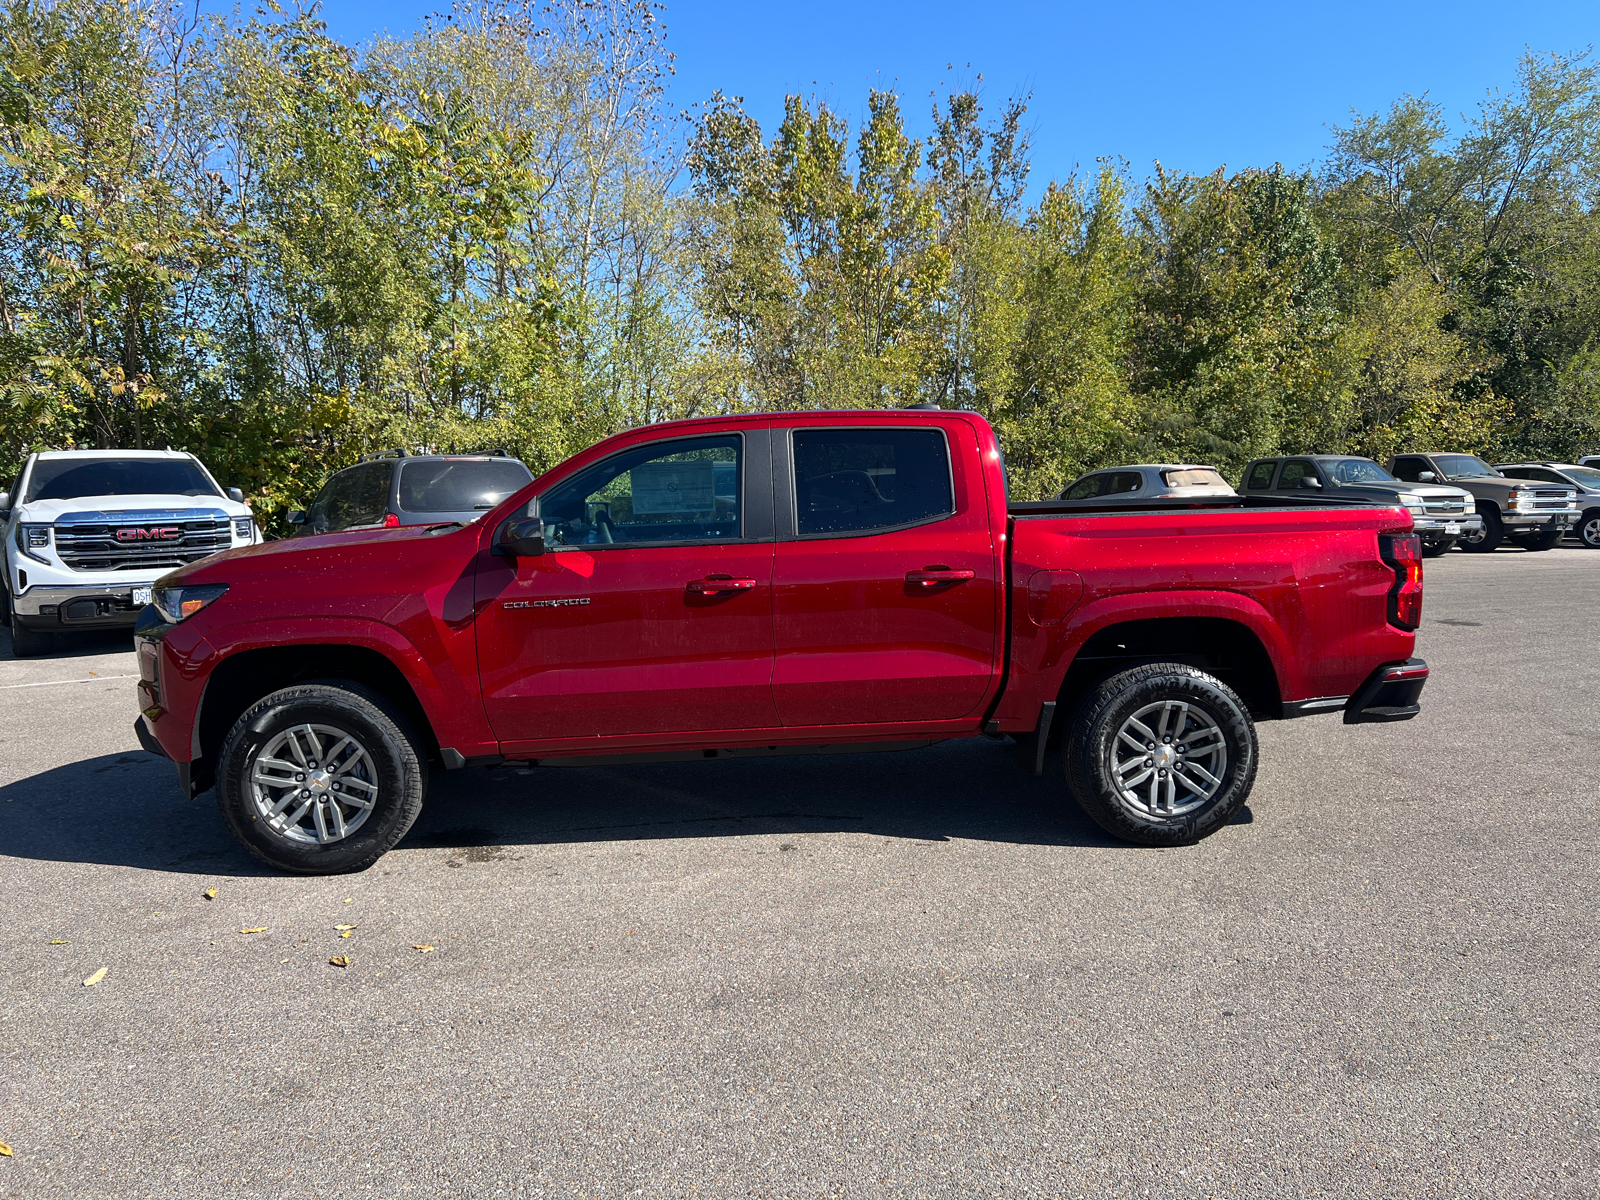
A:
(774, 584)
(86, 532)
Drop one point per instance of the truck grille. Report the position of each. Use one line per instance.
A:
(1444, 506)
(1551, 498)
(140, 541)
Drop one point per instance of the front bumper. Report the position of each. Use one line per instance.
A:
(1429, 526)
(49, 607)
(1538, 520)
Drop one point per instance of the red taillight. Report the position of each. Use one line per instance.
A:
(1403, 552)
(392, 521)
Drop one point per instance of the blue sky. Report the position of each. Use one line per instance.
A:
(1194, 85)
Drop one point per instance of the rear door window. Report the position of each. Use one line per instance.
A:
(852, 481)
(1261, 474)
(458, 485)
(685, 490)
(1085, 488)
(1409, 470)
(1121, 483)
(1298, 473)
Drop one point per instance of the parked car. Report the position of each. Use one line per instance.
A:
(1439, 514)
(86, 533)
(1584, 480)
(1532, 516)
(1145, 482)
(1589, 460)
(395, 488)
(859, 584)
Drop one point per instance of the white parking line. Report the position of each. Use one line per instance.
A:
(5, 687)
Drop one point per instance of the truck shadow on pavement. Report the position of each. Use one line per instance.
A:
(125, 809)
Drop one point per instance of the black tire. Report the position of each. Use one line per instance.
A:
(396, 766)
(1546, 539)
(5, 602)
(30, 643)
(1434, 547)
(1104, 713)
(1493, 534)
(1587, 530)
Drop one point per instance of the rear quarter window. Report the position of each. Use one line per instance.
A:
(1261, 474)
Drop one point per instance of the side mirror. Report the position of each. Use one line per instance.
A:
(1311, 481)
(521, 538)
(235, 495)
(5, 505)
(295, 516)
(1427, 477)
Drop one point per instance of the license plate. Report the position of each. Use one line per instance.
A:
(1452, 527)
(141, 597)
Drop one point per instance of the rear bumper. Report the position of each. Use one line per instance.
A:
(1391, 693)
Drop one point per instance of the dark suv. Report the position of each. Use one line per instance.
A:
(395, 488)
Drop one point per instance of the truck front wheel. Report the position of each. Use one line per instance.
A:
(1161, 755)
(321, 778)
(29, 643)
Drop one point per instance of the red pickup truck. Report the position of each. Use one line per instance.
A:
(773, 584)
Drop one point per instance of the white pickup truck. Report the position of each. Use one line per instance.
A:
(88, 531)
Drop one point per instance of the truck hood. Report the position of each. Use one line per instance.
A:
(1437, 491)
(320, 553)
(114, 508)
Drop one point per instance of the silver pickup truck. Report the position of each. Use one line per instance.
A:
(1440, 514)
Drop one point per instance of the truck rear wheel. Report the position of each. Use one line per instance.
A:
(321, 778)
(1161, 755)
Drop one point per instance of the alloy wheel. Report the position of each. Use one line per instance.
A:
(314, 783)
(1168, 759)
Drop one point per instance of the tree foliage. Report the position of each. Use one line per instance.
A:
(246, 239)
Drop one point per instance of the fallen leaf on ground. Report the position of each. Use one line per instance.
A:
(339, 960)
(424, 947)
(344, 926)
(349, 899)
(210, 893)
(59, 942)
(346, 933)
(6, 1150)
(96, 977)
(257, 929)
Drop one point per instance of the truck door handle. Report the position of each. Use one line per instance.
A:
(712, 584)
(930, 577)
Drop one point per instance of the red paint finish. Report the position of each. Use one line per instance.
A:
(896, 627)
(647, 650)
(780, 639)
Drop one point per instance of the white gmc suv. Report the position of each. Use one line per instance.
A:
(88, 531)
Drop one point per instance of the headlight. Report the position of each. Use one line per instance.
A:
(175, 602)
(1470, 505)
(242, 527)
(1412, 500)
(31, 538)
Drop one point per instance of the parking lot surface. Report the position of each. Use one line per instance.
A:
(919, 974)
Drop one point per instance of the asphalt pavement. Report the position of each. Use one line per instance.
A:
(898, 975)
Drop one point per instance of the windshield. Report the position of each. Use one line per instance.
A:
(1587, 476)
(70, 478)
(1463, 466)
(1358, 470)
(459, 484)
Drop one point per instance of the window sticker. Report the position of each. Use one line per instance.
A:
(674, 487)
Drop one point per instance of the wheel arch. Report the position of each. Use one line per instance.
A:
(1222, 646)
(241, 679)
